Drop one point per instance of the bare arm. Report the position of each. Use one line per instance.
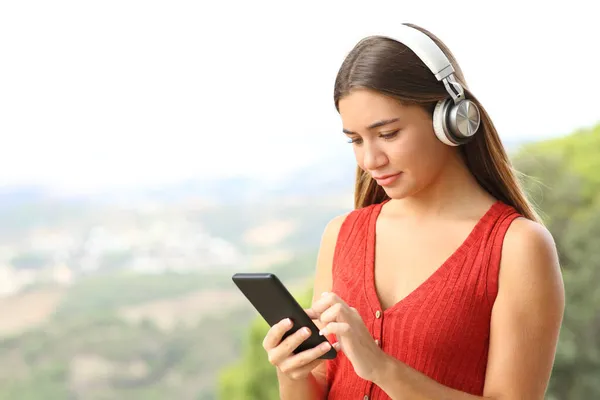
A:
(525, 325)
(314, 386)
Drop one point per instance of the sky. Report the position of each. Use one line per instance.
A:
(118, 93)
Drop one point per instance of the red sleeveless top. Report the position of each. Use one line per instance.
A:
(442, 328)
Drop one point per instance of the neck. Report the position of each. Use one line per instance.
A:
(454, 191)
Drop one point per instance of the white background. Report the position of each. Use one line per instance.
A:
(107, 93)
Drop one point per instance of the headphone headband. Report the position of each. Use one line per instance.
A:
(431, 55)
(425, 48)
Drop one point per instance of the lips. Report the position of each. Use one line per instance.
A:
(385, 180)
(382, 177)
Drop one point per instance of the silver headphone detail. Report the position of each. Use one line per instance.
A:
(455, 124)
(455, 119)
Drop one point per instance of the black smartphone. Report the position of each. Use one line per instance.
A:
(274, 302)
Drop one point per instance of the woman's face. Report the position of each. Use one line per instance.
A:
(393, 143)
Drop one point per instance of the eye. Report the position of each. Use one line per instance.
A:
(390, 135)
(356, 140)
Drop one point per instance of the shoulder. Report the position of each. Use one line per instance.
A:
(530, 267)
(529, 252)
(328, 242)
(323, 280)
(523, 232)
(339, 225)
(333, 227)
(344, 221)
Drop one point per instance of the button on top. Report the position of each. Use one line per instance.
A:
(377, 342)
(378, 314)
(366, 397)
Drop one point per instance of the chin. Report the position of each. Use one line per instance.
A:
(397, 193)
(402, 189)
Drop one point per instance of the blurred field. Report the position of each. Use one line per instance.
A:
(26, 311)
(122, 303)
(168, 314)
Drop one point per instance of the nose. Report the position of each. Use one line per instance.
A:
(373, 157)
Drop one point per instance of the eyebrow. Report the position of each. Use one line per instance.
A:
(373, 125)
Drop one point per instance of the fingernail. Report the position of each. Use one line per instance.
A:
(306, 331)
(323, 294)
(323, 332)
(324, 346)
(288, 322)
(337, 345)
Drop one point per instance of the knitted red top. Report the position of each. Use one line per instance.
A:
(442, 328)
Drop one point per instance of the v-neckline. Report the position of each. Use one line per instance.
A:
(369, 267)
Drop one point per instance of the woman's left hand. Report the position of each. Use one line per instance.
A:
(350, 330)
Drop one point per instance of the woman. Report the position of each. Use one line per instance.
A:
(442, 283)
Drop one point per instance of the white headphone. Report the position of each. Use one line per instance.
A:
(455, 119)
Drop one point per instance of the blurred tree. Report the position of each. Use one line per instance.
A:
(253, 377)
(562, 177)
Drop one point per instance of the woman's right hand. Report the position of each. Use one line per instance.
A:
(280, 353)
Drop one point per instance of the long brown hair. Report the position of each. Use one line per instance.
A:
(387, 66)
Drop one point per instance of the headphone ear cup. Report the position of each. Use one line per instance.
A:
(463, 121)
(440, 127)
